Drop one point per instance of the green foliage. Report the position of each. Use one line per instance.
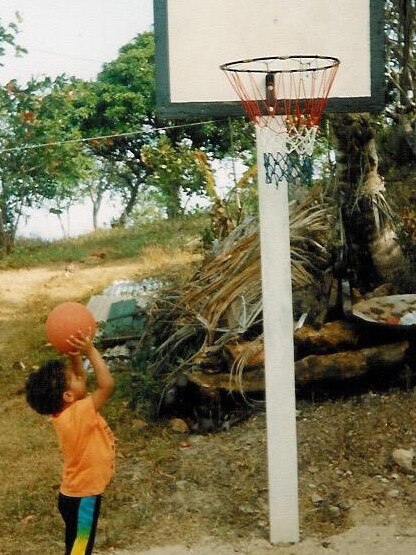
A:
(173, 170)
(144, 159)
(240, 203)
(143, 387)
(404, 277)
(397, 153)
(397, 136)
(8, 33)
(228, 137)
(149, 207)
(33, 116)
(122, 99)
(52, 147)
(120, 105)
(132, 73)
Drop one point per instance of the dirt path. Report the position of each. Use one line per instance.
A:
(25, 293)
(360, 540)
(34, 291)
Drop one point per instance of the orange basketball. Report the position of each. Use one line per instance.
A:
(67, 319)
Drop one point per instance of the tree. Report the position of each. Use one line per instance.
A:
(368, 146)
(175, 170)
(398, 136)
(8, 33)
(42, 157)
(121, 105)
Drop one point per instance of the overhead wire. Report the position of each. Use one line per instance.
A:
(102, 137)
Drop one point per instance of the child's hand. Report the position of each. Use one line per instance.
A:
(82, 344)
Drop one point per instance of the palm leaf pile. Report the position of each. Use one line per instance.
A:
(222, 303)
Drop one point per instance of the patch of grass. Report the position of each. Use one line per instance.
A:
(109, 244)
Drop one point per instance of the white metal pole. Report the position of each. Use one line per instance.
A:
(278, 344)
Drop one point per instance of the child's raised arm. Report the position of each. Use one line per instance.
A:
(83, 345)
(77, 365)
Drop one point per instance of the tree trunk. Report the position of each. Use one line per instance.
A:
(133, 190)
(6, 238)
(330, 338)
(173, 202)
(371, 244)
(407, 27)
(373, 361)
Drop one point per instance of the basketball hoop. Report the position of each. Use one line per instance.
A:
(286, 95)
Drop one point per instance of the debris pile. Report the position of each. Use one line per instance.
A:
(196, 351)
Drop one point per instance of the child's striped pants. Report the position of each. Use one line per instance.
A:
(80, 515)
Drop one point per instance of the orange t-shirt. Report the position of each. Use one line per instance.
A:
(88, 448)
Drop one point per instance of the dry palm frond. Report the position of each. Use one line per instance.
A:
(224, 300)
(381, 225)
(235, 273)
(237, 371)
(372, 192)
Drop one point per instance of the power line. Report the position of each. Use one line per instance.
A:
(98, 137)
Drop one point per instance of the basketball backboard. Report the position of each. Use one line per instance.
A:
(194, 38)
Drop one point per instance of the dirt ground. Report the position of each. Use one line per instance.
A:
(353, 498)
(360, 540)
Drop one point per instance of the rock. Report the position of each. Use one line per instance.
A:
(334, 511)
(28, 519)
(403, 458)
(119, 351)
(393, 493)
(344, 505)
(312, 469)
(179, 425)
(181, 485)
(138, 425)
(19, 365)
(316, 499)
(245, 509)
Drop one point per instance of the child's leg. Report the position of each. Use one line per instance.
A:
(80, 515)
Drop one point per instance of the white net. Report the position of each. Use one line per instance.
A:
(286, 151)
(301, 139)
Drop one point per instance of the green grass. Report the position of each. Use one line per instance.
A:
(111, 244)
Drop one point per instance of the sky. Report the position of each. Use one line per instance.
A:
(71, 36)
(74, 37)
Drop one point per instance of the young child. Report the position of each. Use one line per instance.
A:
(59, 388)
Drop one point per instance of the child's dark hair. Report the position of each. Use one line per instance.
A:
(46, 386)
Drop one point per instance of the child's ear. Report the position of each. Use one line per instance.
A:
(68, 396)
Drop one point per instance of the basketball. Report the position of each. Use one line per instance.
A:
(67, 319)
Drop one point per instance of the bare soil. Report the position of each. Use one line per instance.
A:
(184, 493)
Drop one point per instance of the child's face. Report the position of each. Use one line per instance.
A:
(75, 384)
